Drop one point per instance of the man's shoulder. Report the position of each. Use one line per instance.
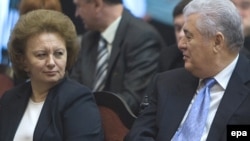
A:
(171, 73)
(135, 24)
(175, 75)
(69, 85)
(91, 34)
(21, 90)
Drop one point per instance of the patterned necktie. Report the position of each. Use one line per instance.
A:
(194, 125)
(102, 65)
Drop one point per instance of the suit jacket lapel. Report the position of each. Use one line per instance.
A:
(180, 100)
(235, 94)
(89, 61)
(118, 40)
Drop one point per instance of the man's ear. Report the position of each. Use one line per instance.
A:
(219, 41)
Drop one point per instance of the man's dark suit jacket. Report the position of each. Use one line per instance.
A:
(170, 58)
(69, 113)
(171, 95)
(247, 43)
(133, 59)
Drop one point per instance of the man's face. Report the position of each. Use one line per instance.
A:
(244, 9)
(178, 24)
(85, 9)
(197, 50)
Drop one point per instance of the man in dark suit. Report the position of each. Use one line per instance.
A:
(133, 48)
(210, 49)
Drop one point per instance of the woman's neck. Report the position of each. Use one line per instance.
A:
(40, 91)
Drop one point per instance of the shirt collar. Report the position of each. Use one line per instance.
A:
(223, 77)
(109, 33)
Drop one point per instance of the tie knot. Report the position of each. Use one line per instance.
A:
(209, 82)
(102, 44)
(103, 40)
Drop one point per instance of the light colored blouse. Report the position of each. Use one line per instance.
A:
(29, 120)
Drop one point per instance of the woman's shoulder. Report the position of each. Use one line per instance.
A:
(21, 90)
(70, 89)
(74, 85)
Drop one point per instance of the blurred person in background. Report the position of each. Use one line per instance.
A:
(131, 47)
(30, 5)
(171, 57)
(244, 9)
(159, 14)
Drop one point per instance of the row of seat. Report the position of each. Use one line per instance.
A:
(117, 118)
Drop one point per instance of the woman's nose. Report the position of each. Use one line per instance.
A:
(51, 61)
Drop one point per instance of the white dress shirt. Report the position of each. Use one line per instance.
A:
(109, 33)
(216, 93)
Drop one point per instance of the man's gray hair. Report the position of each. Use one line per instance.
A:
(218, 16)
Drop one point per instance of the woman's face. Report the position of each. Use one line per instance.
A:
(45, 58)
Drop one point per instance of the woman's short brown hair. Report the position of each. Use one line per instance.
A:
(37, 22)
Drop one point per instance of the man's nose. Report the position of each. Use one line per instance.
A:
(182, 43)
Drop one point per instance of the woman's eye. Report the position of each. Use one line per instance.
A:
(58, 54)
(41, 55)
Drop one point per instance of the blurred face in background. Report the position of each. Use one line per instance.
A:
(244, 8)
(178, 24)
(45, 58)
(86, 10)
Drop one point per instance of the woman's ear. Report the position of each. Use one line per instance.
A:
(25, 64)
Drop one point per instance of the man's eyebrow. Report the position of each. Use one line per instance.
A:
(187, 32)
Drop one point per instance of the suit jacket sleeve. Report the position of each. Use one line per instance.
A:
(78, 113)
(144, 128)
(141, 64)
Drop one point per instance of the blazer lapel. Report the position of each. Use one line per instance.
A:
(16, 109)
(45, 118)
(234, 95)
